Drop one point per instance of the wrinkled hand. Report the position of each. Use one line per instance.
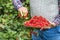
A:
(23, 11)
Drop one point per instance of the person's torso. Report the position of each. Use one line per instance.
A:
(45, 8)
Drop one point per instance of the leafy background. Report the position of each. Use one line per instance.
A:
(11, 26)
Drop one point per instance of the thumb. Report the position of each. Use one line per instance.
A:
(52, 23)
(21, 13)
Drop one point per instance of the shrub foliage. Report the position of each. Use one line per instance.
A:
(11, 27)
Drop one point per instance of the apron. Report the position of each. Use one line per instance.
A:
(45, 8)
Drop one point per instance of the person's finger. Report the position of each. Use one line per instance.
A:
(25, 11)
(46, 27)
(21, 12)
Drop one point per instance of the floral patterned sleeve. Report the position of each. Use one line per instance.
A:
(17, 3)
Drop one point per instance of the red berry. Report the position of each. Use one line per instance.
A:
(38, 22)
(35, 17)
(19, 15)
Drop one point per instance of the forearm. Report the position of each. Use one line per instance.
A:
(17, 4)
